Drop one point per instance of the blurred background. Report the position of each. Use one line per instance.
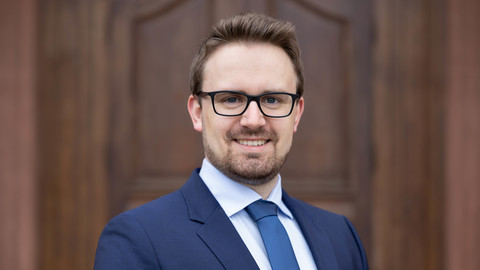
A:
(93, 121)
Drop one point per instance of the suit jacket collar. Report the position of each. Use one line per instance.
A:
(217, 232)
(317, 239)
(221, 237)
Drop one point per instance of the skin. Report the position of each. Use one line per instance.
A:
(254, 69)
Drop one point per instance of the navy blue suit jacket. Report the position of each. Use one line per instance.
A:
(188, 229)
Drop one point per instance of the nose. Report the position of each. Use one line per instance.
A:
(253, 118)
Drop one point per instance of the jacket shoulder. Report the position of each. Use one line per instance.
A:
(313, 211)
(163, 206)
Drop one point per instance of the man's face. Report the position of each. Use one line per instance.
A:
(250, 148)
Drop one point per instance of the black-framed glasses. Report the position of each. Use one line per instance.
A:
(233, 103)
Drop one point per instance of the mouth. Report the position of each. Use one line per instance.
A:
(252, 142)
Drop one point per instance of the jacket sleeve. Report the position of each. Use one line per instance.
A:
(363, 257)
(124, 244)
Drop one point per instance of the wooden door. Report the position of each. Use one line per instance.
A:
(113, 130)
(154, 147)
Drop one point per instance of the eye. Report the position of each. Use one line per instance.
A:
(230, 100)
(271, 100)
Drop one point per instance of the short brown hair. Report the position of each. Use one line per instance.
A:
(251, 28)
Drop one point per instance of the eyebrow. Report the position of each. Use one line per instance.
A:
(261, 93)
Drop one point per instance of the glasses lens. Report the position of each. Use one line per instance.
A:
(234, 103)
(229, 103)
(276, 105)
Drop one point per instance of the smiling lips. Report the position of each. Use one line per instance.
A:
(252, 142)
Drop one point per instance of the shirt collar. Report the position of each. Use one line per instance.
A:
(233, 196)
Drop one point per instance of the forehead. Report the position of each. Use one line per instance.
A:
(249, 66)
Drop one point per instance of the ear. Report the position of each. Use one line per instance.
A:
(195, 111)
(298, 114)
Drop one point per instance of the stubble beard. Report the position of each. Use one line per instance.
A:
(250, 169)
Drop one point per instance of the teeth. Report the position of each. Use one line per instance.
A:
(252, 143)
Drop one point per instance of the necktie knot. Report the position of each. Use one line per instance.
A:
(260, 209)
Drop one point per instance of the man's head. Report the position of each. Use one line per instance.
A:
(248, 28)
(241, 138)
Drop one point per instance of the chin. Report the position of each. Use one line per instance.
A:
(250, 169)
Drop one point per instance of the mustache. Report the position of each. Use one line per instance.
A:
(247, 132)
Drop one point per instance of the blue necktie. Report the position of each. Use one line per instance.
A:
(275, 238)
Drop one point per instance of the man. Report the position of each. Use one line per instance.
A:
(247, 85)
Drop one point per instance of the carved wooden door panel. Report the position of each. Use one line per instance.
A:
(154, 147)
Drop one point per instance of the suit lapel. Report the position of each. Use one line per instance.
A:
(217, 232)
(317, 239)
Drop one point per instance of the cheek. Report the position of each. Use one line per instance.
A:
(215, 129)
(287, 139)
(285, 135)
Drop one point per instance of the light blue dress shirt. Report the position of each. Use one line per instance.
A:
(233, 197)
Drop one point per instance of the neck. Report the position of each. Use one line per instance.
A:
(265, 189)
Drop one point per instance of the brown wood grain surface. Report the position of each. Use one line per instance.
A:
(93, 121)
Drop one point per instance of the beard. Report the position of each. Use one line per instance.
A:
(250, 169)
